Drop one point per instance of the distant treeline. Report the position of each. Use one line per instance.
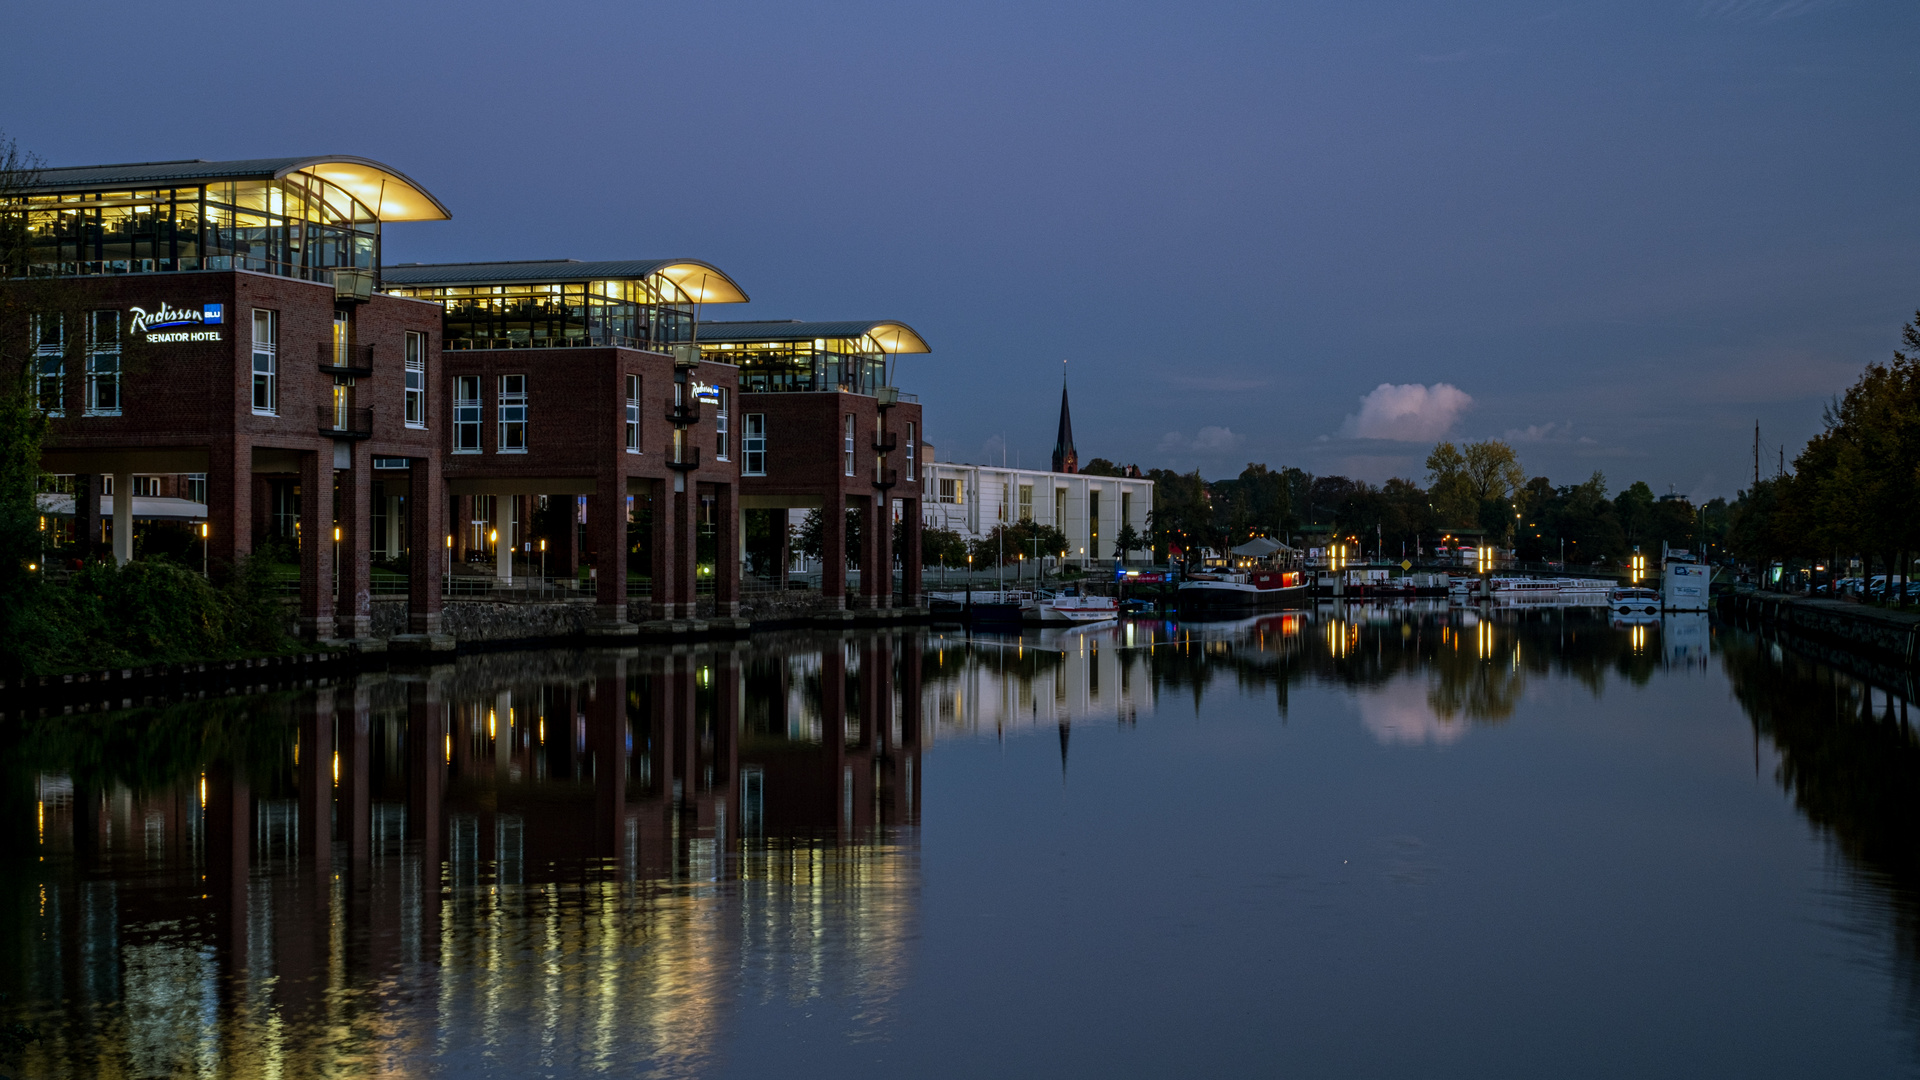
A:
(1476, 490)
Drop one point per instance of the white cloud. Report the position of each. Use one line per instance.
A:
(1554, 431)
(1407, 412)
(1208, 440)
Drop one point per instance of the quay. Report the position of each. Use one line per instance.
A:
(1886, 637)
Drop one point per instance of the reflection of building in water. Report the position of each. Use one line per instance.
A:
(551, 854)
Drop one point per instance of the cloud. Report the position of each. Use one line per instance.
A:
(1553, 431)
(1760, 10)
(1407, 412)
(1208, 440)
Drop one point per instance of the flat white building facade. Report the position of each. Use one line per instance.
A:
(973, 500)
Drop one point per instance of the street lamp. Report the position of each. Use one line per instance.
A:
(203, 549)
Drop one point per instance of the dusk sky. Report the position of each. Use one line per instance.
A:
(1317, 234)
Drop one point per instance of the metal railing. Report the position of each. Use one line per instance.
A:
(341, 422)
(337, 359)
(576, 341)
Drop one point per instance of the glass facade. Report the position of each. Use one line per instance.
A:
(300, 226)
(857, 365)
(643, 313)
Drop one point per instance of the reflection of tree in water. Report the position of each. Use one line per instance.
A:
(1852, 765)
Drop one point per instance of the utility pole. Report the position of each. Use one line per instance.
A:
(1756, 453)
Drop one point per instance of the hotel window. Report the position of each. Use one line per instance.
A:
(266, 362)
(416, 386)
(849, 444)
(103, 363)
(147, 487)
(913, 477)
(50, 363)
(342, 340)
(680, 445)
(753, 446)
(720, 425)
(513, 414)
(1026, 502)
(633, 414)
(952, 492)
(466, 414)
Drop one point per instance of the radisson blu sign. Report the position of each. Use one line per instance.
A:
(160, 325)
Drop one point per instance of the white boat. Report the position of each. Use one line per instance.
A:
(1066, 609)
(1629, 600)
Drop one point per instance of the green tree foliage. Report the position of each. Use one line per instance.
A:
(1182, 513)
(942, 547)
(1129, 541)
(1022, 538)
(1854, 488)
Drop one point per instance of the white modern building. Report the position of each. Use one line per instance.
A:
(973, 500)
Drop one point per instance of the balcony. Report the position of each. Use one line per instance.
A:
(886, 445)
(887, 481)
(689, 459)
(345, 361)
(337, 422)
(683, 415)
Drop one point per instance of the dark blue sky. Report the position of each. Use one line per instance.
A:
(1621, 233)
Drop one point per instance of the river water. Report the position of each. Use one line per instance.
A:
(1398, 841)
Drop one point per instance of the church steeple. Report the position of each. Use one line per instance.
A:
(1065, 458)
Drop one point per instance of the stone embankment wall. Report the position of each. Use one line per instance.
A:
(491, 620)
(1889, 636)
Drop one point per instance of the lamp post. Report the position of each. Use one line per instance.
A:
(543, 559)
(203, 549)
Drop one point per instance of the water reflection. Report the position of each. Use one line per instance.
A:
(566, 862)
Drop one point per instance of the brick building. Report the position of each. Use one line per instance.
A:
(218, 319)
(573, 380)
(824, 427)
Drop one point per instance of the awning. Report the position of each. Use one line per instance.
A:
(1259, 548)
(145, 507)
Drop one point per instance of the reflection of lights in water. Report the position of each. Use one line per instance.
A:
(490, 723)
(449, 739)
(203, 791)
(336, 768)
(1483, 637)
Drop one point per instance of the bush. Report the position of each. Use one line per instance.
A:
(152, 611)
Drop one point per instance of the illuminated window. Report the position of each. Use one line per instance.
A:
(913, 447)
(720, 425)
(342, 340)
(633, 414)
(266, 362)
(513, 414)
(849, 444)
(50, 363)
(753, 446)
(466, 414)
(103, 363)
(416, 385)
(952, 492)
(1026, 502)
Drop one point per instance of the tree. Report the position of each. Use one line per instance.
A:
(23, 300)
(1448, 488)
(1128, 541)
(942, 547)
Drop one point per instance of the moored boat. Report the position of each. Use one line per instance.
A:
(1068, 609)
(1236, 591)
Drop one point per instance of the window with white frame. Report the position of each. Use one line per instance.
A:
(633, 414)
(951, 491)
(197, 487)
(50, 363)
(1026, 502)
(103, 363)
(513, 414)
(266, 362)
(753, 446)
(721, 449)
(849, 444)
(466, 414)
(342, 339)
(416, 384)
(913, 447)
(147, 487)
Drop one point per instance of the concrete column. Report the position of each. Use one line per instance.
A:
(86, 513)
(607, 528)
(316, 543)
(123, 518)
(503, 538)
(911, 553)
(686, 538)
(427, 544)
(728, 552)
(355, 606)
(395, 540)
(833, 552)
